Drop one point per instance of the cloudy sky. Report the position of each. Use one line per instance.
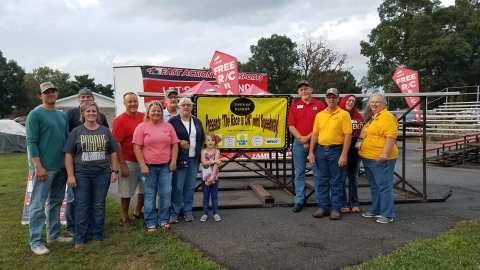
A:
(92, 36)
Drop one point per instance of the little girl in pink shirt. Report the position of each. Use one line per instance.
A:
(210, 158)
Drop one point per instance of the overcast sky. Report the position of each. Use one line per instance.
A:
(92, 36)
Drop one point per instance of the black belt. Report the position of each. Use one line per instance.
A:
(331, 146)
(156, 165)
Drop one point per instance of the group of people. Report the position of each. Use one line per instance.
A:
(156, 156)
(333, 139)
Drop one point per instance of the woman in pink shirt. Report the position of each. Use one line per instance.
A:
(156, 149)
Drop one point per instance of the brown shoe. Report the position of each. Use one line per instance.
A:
(320, 213)
(335, 215)
(345, 210)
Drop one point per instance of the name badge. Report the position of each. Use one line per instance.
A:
(299, 106)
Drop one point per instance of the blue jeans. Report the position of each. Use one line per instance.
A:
(300, 162)
(52, 191)
(158, 181)
(380, 178)
(90, 196)
(172, 200)
(352, 168)
(328, 178)
(185, 188)
(210, 192)
(70, 211)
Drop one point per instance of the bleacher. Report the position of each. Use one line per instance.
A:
(450, 120)
(456, 151)
(455, 128)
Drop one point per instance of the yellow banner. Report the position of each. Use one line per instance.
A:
(245, 122)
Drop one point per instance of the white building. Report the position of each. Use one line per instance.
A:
(106, 104)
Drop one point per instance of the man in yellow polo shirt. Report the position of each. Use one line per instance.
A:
(331, 137)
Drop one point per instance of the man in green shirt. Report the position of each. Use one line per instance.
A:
(47, 130)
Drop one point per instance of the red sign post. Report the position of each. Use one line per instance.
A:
(407, 80)
(225, 69)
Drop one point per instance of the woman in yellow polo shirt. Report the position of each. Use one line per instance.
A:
(379, 153)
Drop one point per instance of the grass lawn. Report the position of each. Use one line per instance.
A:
(123, 248)
(132, 248)
(459, 248)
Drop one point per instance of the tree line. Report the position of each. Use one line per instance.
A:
(442, 43)
(278, 55)
(19, 89)
(286, 62)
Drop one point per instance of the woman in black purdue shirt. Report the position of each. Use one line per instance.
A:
(91, 163)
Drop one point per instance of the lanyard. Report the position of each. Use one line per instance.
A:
(189, 127)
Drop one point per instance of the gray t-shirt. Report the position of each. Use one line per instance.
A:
(91, 149)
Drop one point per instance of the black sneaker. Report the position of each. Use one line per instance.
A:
(297, 208)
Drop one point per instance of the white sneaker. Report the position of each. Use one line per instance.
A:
(217, 217)
(384, 220)
(40, 250)
(204, 218)
(61, 239)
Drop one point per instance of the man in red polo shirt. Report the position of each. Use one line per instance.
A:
(300, 123)
(123, 127)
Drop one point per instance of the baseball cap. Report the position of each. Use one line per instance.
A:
(170, 90)
(47, 85)
(332, 91)
(303, 82)
(85, 92)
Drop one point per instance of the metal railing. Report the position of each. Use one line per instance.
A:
(464, 95)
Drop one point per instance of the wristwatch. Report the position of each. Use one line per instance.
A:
(115, 171)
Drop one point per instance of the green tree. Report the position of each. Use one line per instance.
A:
(58, 78)
(343, 80)
(324, 67)
(12, 92)
(316, 57)
(277, 57)
(454, 56)
(443, 43)
(82, 81)
(32, 89)
(392, 42)
(106, 90)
